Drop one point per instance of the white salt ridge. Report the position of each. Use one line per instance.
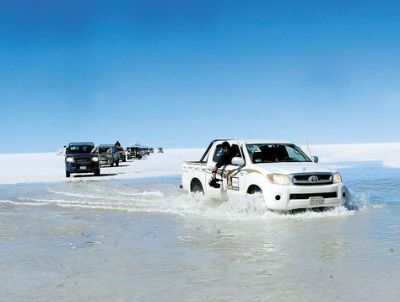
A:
(386, 153)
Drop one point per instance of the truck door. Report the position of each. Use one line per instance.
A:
(233, 179)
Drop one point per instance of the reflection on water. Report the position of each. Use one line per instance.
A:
(145, 240)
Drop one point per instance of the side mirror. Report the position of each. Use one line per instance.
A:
(237, 161)
(315, 159)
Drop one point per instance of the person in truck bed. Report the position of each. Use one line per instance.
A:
(224, 157)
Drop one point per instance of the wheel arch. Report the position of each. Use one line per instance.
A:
(196, 185)
(253, 188)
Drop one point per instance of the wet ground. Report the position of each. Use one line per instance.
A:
(146, 240)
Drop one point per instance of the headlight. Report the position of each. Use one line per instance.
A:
(70, 160)
(95, 159)
(279, 179)
(337, 178)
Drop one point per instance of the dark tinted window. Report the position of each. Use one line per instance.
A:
(104, 149)
(234, 152)
(272, 153)
(218, 153)
(73, 149)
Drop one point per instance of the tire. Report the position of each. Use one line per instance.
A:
(117, 163)
(112, 164)
(196, 186)
(67, 174)
(254, 190)
(97, 172)
(124, 160)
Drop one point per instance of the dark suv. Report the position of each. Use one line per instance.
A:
(81, 158)
(108, 155)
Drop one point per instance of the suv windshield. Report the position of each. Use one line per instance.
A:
(273, 153)
(104, 149)
(74, 149)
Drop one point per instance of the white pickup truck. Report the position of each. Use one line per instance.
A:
(287, 178)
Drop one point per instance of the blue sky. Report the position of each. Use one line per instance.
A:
(180, 73)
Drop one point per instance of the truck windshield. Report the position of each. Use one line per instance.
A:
(273, 153)
(74, 149)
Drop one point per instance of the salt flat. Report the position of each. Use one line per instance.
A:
(116, 238)
(49, 167)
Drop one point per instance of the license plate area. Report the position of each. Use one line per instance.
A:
(317, 201)
(82, 168)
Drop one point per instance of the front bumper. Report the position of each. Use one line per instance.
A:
(82, 167)
(291, 197)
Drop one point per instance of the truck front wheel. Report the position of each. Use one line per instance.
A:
(196, 187)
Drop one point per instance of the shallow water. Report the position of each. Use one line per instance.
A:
(145, 240)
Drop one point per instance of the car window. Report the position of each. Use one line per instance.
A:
(73, 149)
(103, 149)
(235, 151)
(270, 153)
(218, 153)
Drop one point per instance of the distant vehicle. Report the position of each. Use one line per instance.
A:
(108, 155)
(151, 150)
(81, 158)
(145, 150)
(121, 152)
(281, 172)
(133, 152)
(160, 150)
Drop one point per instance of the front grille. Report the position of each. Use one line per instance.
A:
(83, 161)
(308, 195)
(312, 179)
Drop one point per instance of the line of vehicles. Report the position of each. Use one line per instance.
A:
(86, 157)
(285, 176)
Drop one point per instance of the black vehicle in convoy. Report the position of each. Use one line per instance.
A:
(108, 155)
(133, 152)
(81, 158)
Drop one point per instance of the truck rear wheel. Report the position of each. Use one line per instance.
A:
(196, 187)
(253, 189)
(97, 172)
(67, 174)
